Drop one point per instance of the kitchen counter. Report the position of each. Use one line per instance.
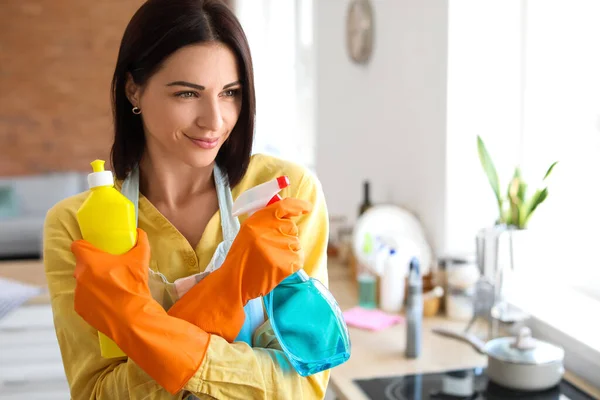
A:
(381, 354)
(374, 354)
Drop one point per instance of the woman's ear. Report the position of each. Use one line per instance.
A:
(132, 91)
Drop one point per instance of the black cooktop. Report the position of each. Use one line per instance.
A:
(468, 384)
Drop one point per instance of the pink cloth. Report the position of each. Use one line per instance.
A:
(373, 320)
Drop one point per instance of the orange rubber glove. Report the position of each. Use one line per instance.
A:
(265, 252)
(112, 295)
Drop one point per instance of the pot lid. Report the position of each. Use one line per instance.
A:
(524, 349)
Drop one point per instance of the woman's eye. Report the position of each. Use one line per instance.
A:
(231, 92)
(186, 95)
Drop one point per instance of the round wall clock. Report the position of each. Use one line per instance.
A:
(360, 30)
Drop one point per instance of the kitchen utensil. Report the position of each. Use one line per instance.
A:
(461, 277)
(520, 363)
(483, 302)
(431, 301)
(399, 226)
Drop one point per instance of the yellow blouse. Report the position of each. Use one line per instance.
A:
(230, 370)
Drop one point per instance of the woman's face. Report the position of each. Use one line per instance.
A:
(190, 105)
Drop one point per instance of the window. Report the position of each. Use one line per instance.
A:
(280, 37)
(525, 76)
(561, 121)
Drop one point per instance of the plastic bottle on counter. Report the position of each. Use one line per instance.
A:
(381, 252)
(312, 344)
(366, 275)
(392, 283)
(414, 310)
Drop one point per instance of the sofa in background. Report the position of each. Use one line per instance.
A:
(24, 202)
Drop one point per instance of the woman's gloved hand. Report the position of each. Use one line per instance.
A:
(112, 295)
(265, 252)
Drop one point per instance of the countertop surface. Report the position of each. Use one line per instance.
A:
(374, 354)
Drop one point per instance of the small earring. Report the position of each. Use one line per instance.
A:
(136, 110)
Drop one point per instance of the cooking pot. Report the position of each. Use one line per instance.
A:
(520, 363)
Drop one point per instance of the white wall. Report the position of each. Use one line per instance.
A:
(408, 120)
(386, 121)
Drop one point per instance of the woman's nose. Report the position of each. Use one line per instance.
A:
(211, 117)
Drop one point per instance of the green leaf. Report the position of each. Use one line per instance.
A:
(537, 199)
(550, 170)
(517, 188)
(522, 204)
(515, 208)
(490, 171)
(516, 198)
(514, 185)
(505, 217)
(522, 192)
(514, 215)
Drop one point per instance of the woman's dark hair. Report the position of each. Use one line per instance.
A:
(157, 30)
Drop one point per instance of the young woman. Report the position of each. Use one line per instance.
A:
(184, 105)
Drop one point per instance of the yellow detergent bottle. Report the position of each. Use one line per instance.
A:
(107, 220)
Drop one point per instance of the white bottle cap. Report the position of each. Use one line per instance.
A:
(100, 177)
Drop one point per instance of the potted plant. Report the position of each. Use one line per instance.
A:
(515, 206)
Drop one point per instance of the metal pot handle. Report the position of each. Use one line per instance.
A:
(474, 341)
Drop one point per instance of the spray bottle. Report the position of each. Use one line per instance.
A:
(254, 199)
(107, 220)
(305, 317)
(414, 310)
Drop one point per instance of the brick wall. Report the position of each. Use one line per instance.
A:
(56, 64)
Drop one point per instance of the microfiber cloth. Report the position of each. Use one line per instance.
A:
(373, 320)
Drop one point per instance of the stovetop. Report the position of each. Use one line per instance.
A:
(467, 384)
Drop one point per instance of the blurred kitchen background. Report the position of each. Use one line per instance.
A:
(384, 100)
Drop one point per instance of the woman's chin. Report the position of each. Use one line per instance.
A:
(202, 159)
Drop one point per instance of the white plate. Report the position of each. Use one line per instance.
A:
(401, 228)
